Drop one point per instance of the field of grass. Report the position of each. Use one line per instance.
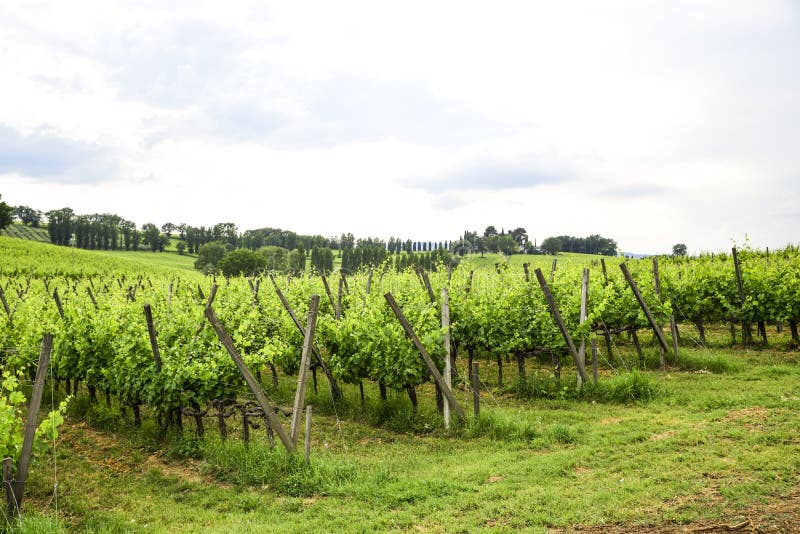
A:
(717, 446)
(172, 260)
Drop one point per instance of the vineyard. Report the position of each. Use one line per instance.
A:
(150, 342)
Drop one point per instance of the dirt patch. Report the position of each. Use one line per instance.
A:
(756, 412)
(113, 453)
(610, 420)
(663, 435)
(781, 517)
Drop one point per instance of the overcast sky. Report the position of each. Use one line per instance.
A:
(648, 122)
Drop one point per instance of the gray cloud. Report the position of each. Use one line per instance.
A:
(493, 176)
(634, 191)
(351, 108)
(343, 110)
(175, 65)
(46, 157)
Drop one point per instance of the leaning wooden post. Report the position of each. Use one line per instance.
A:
(553, 270)
(428, 287)
(561, 325)
(594, 360)
(151, 330)
(448, 378)
(437, 377)
(302, 375)
(335, 391)
(58, 303)
(91, 296)
(659, 334)
(327, 290)
(527, 268)
(605, 273)
(747, 328)
(31, 420)
(584, 302)
(6, 308)
(261, 397)
(212, 295)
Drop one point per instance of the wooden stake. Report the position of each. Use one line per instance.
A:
(447, 349)
(673, 326)
(335, 391)
(424, 353)
(476, 391)
(747, 330)
(327, 290)
(58, 303)
(308, 434)
(659, 334)
(31, 421)
(428, 287)
(151, 330)
(8, 482)
(5, 306)
(657, 284)
(594, 360)
(91, 297)
(261, 397)
(584, 305)
(561, 325)
(302, 375)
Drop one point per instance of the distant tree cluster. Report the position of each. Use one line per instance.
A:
(513, 242)
(6, 214)
(594, 244)
(262, 237)
(430, 261)
(356, 255)
(28, 216)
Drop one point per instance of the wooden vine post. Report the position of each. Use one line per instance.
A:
(659, 334)
(747, 328)
(261, 397)
(551, 302)
(584, 305)
(657, 286)
(302, 375)
(448, 393)
(151, 330)
(16, 490)
(448, 376)
(476, 390)
(335, 391)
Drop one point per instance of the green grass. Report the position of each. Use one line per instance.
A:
(716, 442)
(167, 259)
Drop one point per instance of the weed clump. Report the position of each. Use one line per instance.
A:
(622, 388)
